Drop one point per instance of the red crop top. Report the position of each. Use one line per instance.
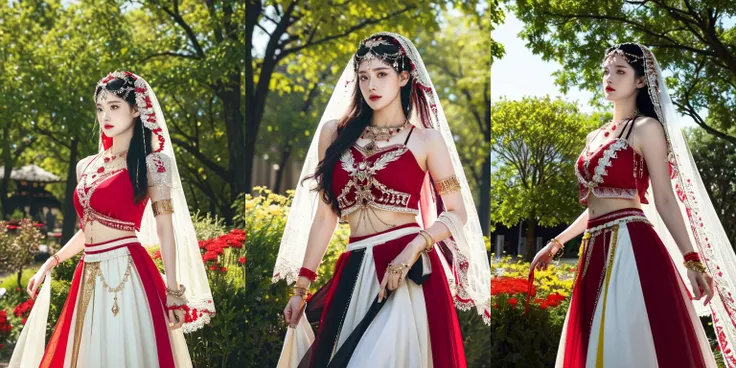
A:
(614, 170)
(105, 195)
(388, 178)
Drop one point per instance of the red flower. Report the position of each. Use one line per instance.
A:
(214, 267)
(23, 322)
(2, 346)
(223, 270)
(513, 301)
(241, 260)
(156, 255)
(209, 256)
(510, 285)
(23, 309)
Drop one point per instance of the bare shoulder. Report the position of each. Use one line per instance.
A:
(649, 128)
(329, 129)
(429, 136)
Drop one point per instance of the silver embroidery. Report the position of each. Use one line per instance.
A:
(363, 181)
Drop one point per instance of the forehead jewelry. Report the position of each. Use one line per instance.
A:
(629, 57)
(371, 54)
(121, 92)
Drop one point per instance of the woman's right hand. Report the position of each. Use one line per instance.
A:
(544, 257)
(293, 310)
(37, 280)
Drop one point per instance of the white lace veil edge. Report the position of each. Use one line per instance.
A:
(468, 269)
(190, 270)
(704, 227)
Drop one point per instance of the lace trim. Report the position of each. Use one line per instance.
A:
(607, 192)
(463, 300)
(159, 167)
(200, 312)
(286, 270)
(600, 170)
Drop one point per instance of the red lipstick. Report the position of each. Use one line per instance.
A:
(109, 126)
(374, 97)
(609, 89)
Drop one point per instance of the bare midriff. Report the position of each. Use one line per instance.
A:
(378, 221)
(601, 206)
(96, 232)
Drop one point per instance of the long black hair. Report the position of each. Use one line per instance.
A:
(643, 100)
(140, 144)
(352, 124)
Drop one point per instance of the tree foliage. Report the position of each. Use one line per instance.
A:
(691, 40)
(292, 46)
(53, 52)
(535, 143)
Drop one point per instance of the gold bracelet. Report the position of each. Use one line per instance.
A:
(162, 207)
(428, 238)
(448, 185)
(397, 269)
(176, 293)
(557, 242)
(696, 266)
(299, 291)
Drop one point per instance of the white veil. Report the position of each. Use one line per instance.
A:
(465, 259)
(704, 228)
(190, 270)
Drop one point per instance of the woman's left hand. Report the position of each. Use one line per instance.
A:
(176, 318)
(702, 284)
(407, 257)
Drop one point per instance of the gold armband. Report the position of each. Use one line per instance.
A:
(448, 185)
(162, 207)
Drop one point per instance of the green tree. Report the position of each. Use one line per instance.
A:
(459, 70)
(535, 143)
(193, 50)
(308, 36)
(690, 40)
(716, 160)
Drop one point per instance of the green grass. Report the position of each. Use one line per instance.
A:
(10, 282)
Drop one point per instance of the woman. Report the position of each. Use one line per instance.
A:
(382, 164)
(630, 306)
(119, 312)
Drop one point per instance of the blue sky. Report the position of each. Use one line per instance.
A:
(521, 73)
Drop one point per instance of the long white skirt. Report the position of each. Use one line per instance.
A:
(97, 336)
(399, 334)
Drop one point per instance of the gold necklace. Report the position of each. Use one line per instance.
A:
(374, 134)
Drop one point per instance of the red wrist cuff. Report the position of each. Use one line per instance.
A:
(311, 275)
(691, 256)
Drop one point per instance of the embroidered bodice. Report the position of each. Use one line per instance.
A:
(388, 179)
(105, 195)
(614, 170)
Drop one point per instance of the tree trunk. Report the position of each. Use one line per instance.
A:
(285, 154)
(20, 276)
(484, 210)
(531, 249)
(230, 95)
(70, 215)
(7, 162)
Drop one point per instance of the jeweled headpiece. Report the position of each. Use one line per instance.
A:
(629, 57)
(142, 99)
(373, 42)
